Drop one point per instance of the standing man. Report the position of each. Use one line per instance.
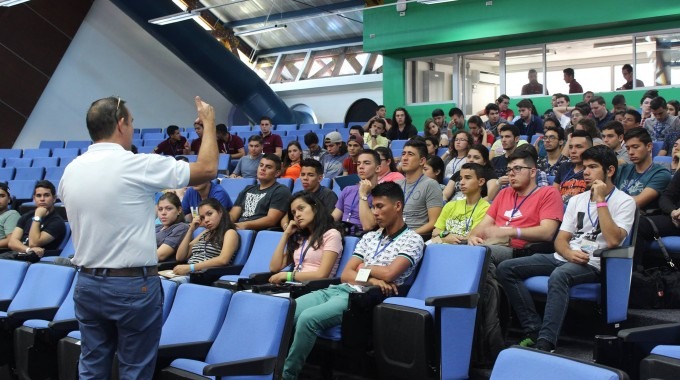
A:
(108, 193)
(174, 145)
(627, 71)
(609, 215)
(271, 143)
(574, 86)
(612, 136)
(380, 113)
(533, 87)
(423, 202)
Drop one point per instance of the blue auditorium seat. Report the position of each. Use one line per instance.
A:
(12, 274)
(33, 153)
(45, 144)
(45, 162)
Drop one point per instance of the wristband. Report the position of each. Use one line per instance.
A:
(292, 277)
(519, 233)
(289, 276)
(601, 204)
(191, 268)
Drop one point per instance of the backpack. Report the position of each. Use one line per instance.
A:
(493, 317)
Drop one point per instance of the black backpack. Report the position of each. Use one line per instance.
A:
(493, 318)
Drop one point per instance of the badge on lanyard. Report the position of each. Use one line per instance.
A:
(363, 274)
(588, 244)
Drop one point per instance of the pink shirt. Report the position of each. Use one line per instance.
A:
(391, 177)
(544, 203)
(332, 241)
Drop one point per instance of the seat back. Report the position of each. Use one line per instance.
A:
(265, 333)
(67, 310)
(528, 364)
(349, 243)
(12, 162)
(10, 153)
(247, 238)
(65, 152)
(12, 274)
(234, 186)
(22, 189)
(6, 174)
(288, 182)
(169, 291)
(45, 162)
(45, 285)
(202, 306)
(29, 173)
(35, 153)
(67, 251)
(261, 253)
(47, 144)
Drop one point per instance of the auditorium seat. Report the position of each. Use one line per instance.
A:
(233, 186)
(209, 275)
(7, 174)
(285, 127)
(54, 174)
(151, 142)
(12, 162)
(258, 260)
(22, 190)
(528, 364)
(29, 174)
(238, 129)
(79, 144)
(152, 130)
(397, 145)
(64, 161)
(223, 163)
(47, 144)
(288, 182)
(357, 123)
(33, 153)
(45, 162)
(153, 136)
(329, 127)
(245, 345)
(309, 127)
(10, 153)
(65, 152)
(12, 274)
(656, 147)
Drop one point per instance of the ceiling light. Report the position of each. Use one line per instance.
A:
(435, 1)
(9, 3)
(261, 30)
(177, 17)
(204, 24)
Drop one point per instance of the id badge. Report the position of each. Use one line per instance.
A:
(362, 275)
(588, 246)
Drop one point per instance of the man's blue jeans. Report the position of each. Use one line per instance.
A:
(121, 315)
(563, 275)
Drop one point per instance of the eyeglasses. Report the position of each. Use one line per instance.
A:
(550, 138)
(516, 169)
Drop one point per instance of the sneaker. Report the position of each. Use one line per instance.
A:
(529, 340)
(544, 345)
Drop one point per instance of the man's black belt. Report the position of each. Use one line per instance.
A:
(122, 272)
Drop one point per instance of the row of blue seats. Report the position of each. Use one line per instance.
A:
(50, 173)
(58, 144)
(27, 154)
(247, 128)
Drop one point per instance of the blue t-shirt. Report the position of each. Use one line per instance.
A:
(247, 167)
(332, 165)
(192, 198)
(632, 183)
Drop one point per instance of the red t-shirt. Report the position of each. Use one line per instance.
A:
(508, 115)
(544, 203)
(349, 166)
(271, 142)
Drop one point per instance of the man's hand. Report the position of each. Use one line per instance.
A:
(475, 240)
(365, 187)
(41, 212)
(675, 217)
(206, 112)
(278, 278)
(181, 270)
(598, 189)
(38, 251)
(504, 180)
(387, 288)
(576, 257)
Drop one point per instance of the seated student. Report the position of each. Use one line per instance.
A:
(667, 222)
(375, 136)
(311, 174)
(228, 143)
(247, 165)
(509, 139)
(314, 150)
(355, 144)
(610, 214)
(495, 120)
(335, 156)
(401, 127)
(8, 218)
(389, 255)
(387, 170)
(291, 161)
(528, 123)
(431, 144)
(480, 155)
(310, 242)
(432, 129)
(552, 142)
(498, 148)
(459, 217)
(195, 194)
(271, 142)
(214, 247)
(353, 205)
(457, 154)
(631, 120)
(520, 213)
(457, 122)
(174, 145)
(262, 205)
(643, 179)
(612, 136)
(569, 178)
(434, 168)
(587, 125)
(172, 228)
(479, 133)
(37, 231)
(423, 202)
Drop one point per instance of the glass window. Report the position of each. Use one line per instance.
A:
(289, 68)
(524, 72)
(658, 59)
(429, 80)
(481, 84)
(264, 66)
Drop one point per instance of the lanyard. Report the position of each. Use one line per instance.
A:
(412, 188)
(571, 177)
(455, 162)
(631, 182)
(302, 255)
(597, 220)
(515, 208)
(377, 248)
(468, 222)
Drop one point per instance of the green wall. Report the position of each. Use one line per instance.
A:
(469, 25)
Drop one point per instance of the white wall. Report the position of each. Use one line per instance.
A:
(331, 103)
(112, 55)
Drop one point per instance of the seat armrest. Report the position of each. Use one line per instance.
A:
(247, 367)
(660, 334)
(230, 285)
(619, 253)
(468, 301)
(534, 247)
(4, 304)
(166, 265)
(259, 278)
(209, 275)
(312, 285)
(52, 252)
(194, 350)
(63, 327)
(45, 313)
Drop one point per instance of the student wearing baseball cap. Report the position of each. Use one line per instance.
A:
(336, 155)
(355, 145)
